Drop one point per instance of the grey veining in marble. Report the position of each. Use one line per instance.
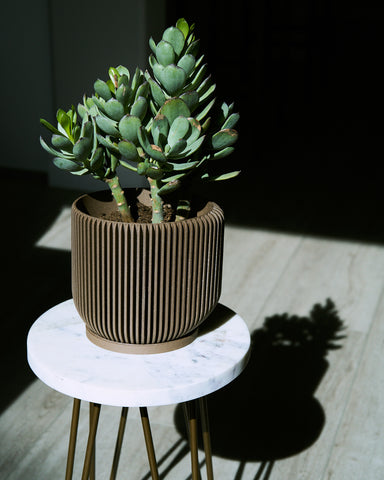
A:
(62, 357)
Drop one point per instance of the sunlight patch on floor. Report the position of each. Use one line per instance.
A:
(58, 236)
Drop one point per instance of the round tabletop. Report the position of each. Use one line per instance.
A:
(62, 357)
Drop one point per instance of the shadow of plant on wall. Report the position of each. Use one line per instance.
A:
(270, 412)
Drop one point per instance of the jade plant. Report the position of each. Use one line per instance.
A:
(159, 123)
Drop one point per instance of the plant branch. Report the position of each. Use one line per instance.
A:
(157, 201)
(118, 195)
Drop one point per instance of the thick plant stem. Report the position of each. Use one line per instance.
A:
(157, 201)
(118, 195)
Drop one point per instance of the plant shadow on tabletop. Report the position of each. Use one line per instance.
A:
(270, 412)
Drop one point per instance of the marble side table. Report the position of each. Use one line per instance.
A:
(63, 358)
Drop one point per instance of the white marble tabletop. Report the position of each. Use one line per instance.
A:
(63, 358)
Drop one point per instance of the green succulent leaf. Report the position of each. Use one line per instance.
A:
(157, 92)
(169, 187)
(198, 78)
(107, 125)
(99, 103)
(136, 80)
(97, 159)
(111, 86)
(114, 163)
(222, 153)
(114, 76)
(123, 71)
(142, 91)
(160, 129)
(183, 26)
(219, 178)
(66, 164)
(172, 78)
(142, 168)
(123, 80)
(128, 150)
(205, 84)
(224, 138)
(86, 128)
(192, 148)
(177, 147)
(107, 143)
(123, 94)
(191, 99)
(76, 133)
(152, 45)
(195, 130)
(165, 53)
(102, 89)
(177, 167)
(80, 173)
(129, 126)
(114, 109)
(64, 122)
(178, 130)
(226, 110)
(173, 108)
(139, 108)
(187, 63)
(205, 111)
(82, 148)
(176, 38)
(208, 93)
(50, 127)
(153, 151)
(231, 121)
(193, 48)
(158, 70)
(54, 152)
(155, 172)
(59, 141)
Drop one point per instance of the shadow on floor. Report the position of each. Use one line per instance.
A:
(270, 412)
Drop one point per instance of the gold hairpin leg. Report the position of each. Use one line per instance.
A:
(72, 439)
(90, 452)
(149, 443)
(119, 442)
(206, 436)
(192, 427)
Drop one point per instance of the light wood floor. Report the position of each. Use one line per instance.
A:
(336, 432)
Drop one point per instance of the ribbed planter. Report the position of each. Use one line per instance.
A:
(143, 288)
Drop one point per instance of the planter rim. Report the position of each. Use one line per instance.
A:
(208, 208)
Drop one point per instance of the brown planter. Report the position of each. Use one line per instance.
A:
(143, 288)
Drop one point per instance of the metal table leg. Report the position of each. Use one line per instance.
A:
(192, 427)
(90, 452)
(72, 438)
(206, 436)
(119, 441)
(149, 443)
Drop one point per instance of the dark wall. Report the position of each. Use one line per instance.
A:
(306, 76)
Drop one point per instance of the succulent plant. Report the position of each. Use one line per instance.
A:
(156, 124)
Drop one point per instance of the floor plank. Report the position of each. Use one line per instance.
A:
(254, 261)
(359, 444)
